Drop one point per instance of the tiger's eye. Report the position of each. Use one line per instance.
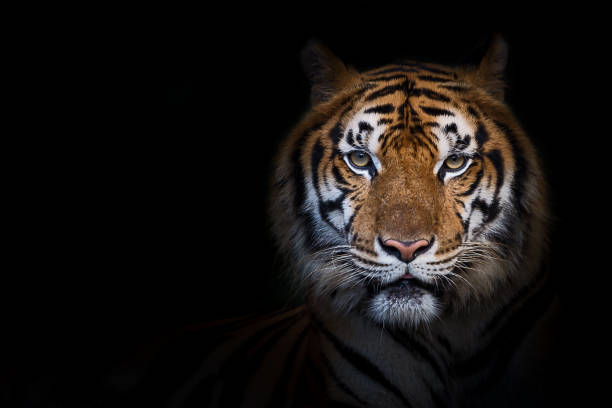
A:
(359, 159)
(454, 162)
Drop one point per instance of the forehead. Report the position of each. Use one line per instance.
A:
(424, 103)
(410, 83)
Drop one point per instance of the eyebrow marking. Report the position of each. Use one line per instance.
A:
(386, 108)
(365, 127)
(436, 111)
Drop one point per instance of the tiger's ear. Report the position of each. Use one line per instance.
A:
(490, 72)
(326, 73)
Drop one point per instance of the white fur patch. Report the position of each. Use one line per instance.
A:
(412, 309)
(369, 138)
(448, 139)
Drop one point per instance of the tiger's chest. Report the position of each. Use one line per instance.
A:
(300, 359)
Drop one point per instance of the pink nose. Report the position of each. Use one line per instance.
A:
(407, 249)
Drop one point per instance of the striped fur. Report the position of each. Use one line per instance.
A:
(461, 324)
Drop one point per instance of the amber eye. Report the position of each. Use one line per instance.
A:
(359, 158)
(454, 162)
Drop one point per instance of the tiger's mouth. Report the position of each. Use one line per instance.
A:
(406, 286)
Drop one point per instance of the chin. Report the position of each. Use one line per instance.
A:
(404, 304)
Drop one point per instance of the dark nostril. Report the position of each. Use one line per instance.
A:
(391, 250)
(423, 249)
(406, 251)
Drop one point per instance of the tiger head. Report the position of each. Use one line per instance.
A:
(408, 192)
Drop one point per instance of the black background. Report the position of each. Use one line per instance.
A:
(157, 218)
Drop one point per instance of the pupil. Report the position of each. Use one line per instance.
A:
(359, 158)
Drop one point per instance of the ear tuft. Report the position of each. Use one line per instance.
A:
(326, 72)
(493, 65)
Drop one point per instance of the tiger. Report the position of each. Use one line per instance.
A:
(412, 211)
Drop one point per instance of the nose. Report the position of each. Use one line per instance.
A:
(406, 251)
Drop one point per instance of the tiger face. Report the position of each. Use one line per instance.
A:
(406, 191)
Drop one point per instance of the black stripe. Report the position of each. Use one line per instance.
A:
(430, 78)
(238, 370)
(463, 143)
(489, 211)
(431, 136)
(473, 112)
(340, 383)
(350, 138)
(464, 223)
(386, 108)
(388, 90)
(365, 127)
(349, 224)
(428, 93)
(519, 298)
(444, 260)
(450, 128)
(520, 164)
(297, 172)
(420, 139)
(339, 179)
(371, 263)
(401, 117)
(496, 355)
(325, 206)
(434, 70)
(363, 365)
(513, 334)
(335, 134)
(418, 130)
(387, 78)
(388, 137)
(474, 185)
(315, 158)
(384, 121)
(423, 67)
(281, 391)
(430, 110)
(346, 110)
(454, 88)
(481, 135)
(497, 160)
(421, 352)
(299, 197)
(350, 97)
(390, 70)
